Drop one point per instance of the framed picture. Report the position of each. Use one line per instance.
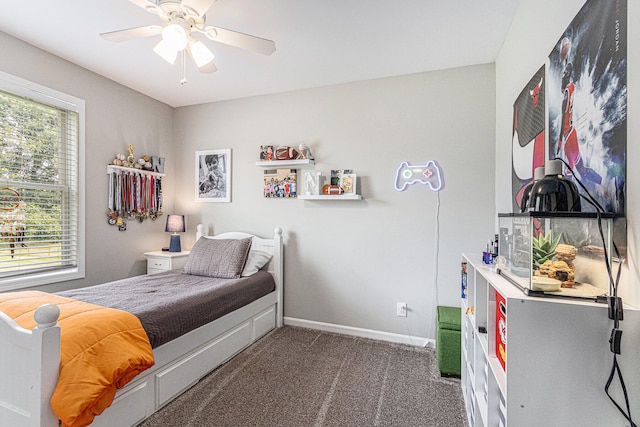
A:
(266, 153)
(336, 174)
(213, 175)
(348, 183)
(280, 183)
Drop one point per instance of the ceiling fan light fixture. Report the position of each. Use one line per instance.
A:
(166, 52)
(175, 36)
(200, 53)
(182, 18)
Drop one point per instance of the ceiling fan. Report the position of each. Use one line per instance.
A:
(183, 18)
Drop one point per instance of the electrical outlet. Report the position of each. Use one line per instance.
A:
(401, 309)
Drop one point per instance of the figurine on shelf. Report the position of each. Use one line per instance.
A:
(147, 163)
(131, 159)
(331, 190)
(119, 160)
(143, 163)
(304, 153)
(286, 153)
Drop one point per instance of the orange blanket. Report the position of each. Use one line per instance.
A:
(101, 350)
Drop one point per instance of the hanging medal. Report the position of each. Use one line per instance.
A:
(121, 198)
(111, 214)
(132, 212)
(121, 223)
(158, 195)
(152, 198)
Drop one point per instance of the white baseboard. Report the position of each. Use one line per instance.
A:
(359, 332)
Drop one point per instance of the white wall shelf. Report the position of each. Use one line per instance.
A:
(112, 168)
(331, 197)
(275, 164)
(285, 163)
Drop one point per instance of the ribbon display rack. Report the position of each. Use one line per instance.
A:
(134, 194)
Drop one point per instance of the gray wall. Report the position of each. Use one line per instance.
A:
(348, 263)
(115, 117)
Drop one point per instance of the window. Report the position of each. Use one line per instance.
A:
(41, 185)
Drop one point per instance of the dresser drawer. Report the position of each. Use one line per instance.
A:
(164, 261)
(158, 264)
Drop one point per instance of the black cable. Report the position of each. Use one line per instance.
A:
(614, 283)
(615, 368)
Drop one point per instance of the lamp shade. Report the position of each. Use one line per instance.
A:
(538, 174)
(175, 36)
(175, 224)
(554, 192)
(167, 53)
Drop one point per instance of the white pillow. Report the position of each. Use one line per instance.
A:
(255, 261)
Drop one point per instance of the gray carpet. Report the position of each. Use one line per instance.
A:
(300, 377)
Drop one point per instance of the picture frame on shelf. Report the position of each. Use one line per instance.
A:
(336, 174)
(266, 153)
(348, 183)
(280, 183)
(213, 175)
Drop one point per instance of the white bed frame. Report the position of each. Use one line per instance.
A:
(29, 360)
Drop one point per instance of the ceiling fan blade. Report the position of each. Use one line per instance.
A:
(202, 56)
(241, 40)
(147, 5)
(200, 7)
(132, 33)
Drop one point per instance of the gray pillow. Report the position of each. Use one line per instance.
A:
(223, 258)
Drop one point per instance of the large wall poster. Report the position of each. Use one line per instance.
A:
(527, 136)
(587, 101)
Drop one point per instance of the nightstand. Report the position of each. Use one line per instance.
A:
(160, 261)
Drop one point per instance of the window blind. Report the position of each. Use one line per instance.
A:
(39, 187)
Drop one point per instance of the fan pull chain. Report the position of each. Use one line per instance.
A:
(183, 80)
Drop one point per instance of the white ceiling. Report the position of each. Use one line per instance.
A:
(318, 42)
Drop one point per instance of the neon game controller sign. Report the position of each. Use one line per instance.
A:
(428, 174)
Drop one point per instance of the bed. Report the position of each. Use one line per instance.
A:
(31, 358)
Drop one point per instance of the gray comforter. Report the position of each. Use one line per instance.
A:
(173, 303)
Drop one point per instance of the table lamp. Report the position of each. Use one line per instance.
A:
(175, 225)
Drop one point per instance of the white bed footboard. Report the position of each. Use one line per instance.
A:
(29, 369)
(30, 360)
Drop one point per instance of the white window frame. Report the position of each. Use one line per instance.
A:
(43, 94)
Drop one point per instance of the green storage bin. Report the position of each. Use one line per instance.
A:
(448, 345)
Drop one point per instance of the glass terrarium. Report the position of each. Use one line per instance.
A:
(559, 254)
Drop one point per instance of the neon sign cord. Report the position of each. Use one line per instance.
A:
(434, 294)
